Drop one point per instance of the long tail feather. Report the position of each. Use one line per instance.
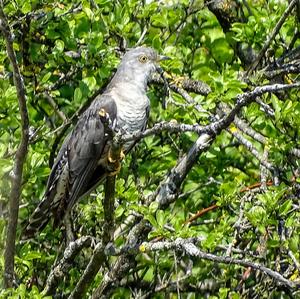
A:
(38, 220)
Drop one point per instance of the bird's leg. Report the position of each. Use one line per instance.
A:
(115, 152)
(112, 158)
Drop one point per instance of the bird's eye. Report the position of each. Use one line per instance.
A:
(143, 58)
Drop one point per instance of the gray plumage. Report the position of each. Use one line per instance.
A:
(81, 163)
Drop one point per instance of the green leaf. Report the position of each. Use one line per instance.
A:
(153, 207)
(46, 77)
(119, 211)
(77, 95)
(160, 218)
(257, 215)
(221, 51)
(59, 45)
(285, 207)
(90, 82)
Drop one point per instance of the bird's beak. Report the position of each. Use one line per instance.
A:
(162, 57)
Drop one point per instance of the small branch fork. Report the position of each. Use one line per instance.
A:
(21, 153)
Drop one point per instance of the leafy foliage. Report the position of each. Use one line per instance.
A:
(67, 52)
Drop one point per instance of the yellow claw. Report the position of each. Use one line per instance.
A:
(116, 170)
(122, 155)
(111, 159)
(167, 75)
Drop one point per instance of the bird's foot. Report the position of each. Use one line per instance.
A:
(114, 162)
(113, 158)
(115, 169)
(178, 81)
(175, 80)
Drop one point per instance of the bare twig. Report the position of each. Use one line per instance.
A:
(295, 261)
(264, 170)
(265, 107)
(141, 37)
(245, 128)
(237, 226)
(54, 105)
(20, 156)
(251, 148)
(200, 213)
(283, 70)
(196, 86)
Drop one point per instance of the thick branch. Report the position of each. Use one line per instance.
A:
(166, 192)
(20, 156)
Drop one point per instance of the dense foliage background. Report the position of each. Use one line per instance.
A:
(243, 180)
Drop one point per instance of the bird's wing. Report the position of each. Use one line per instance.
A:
(74, 166)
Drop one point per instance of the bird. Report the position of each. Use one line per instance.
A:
(83, 161)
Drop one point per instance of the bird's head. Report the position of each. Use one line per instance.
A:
(139, 63)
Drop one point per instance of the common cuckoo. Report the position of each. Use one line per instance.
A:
(82, 162)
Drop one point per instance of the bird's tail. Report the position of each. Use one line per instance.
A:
(38, 220)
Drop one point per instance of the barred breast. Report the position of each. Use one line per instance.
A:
(132, 110)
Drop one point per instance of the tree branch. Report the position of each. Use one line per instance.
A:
(90, 272)
(167, 190)
(188, 247)
(125, 261)
(55, 107)
(217, 126)
(20, 156)
(65, 263)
